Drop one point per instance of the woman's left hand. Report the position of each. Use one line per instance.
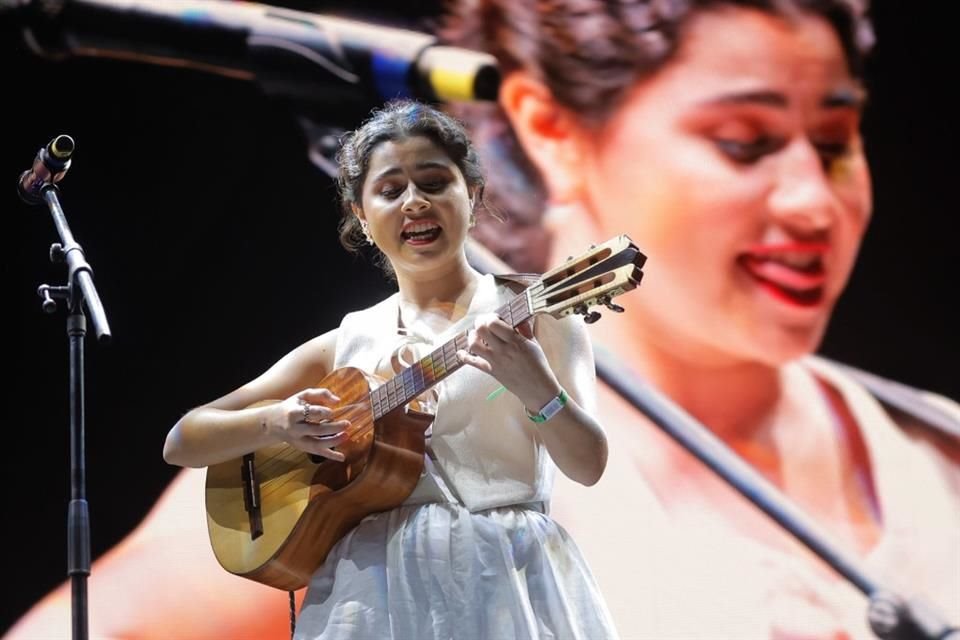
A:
(513, 357)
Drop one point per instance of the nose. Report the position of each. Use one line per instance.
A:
(804, 197)
(414, 201)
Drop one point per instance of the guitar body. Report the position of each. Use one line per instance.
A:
(274, 515)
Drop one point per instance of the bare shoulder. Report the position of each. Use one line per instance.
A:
(300, 369)
(947, 444)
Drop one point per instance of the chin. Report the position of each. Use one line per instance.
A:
(778, 346)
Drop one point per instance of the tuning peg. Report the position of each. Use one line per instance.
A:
(605, 301)
(588, 316)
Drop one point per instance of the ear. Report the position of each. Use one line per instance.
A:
(357, 211)
(552, 137)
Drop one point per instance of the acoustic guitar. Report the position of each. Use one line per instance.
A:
(274, 514)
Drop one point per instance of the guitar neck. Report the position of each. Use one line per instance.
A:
(438, 364)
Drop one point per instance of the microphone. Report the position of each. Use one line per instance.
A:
(49, 166)
(335, 62)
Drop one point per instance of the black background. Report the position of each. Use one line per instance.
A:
(214, 245)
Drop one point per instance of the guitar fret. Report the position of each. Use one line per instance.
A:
(440, 365)
(442, 352)
(375, 403)
(418, 378)
(520, 312)
(401, 392)
(392, 392)
(428, 376)
(450, 353)
(519, 303)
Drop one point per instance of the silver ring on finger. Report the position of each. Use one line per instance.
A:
(306, 412)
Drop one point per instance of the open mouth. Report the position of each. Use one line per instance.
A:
(420, 233)
(796, 277)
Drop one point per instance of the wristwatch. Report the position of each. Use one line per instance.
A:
(550, 409)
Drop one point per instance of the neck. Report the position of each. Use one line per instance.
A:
(435, 288)
(734, 398)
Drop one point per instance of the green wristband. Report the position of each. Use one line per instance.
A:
(550, 409)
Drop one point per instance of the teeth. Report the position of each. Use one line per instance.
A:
(796, 259)
(420, 227)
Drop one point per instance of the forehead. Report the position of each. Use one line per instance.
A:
(406, 154)
(729, 50)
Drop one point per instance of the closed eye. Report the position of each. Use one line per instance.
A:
(830, 151)
(433, 186)
(749, 151)
(390, 192)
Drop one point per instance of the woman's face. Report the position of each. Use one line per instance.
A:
(417, 205)
(739, 170)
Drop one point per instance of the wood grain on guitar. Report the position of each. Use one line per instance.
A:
(274, 514)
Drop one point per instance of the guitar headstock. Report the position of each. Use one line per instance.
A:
(593, 278)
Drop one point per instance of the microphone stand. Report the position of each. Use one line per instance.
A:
(891, 616)
(78, 291)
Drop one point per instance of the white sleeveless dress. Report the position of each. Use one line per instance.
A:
(471, 554)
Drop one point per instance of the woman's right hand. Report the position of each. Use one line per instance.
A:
(304, 420)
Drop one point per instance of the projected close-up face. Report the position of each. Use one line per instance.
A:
(739, 168)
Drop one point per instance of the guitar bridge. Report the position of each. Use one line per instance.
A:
(251, 495)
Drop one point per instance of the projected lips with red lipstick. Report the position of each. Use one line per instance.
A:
(791, 272)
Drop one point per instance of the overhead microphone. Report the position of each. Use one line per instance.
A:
(49, 166)
(295, 54)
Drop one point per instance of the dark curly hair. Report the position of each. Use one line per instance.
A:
(398, 120)
(589, 53)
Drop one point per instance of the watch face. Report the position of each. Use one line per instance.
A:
(554, 405)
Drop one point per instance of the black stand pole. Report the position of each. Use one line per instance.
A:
(78, 515)
(891, 617)
(37, 185)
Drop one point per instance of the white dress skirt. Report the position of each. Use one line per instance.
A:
(437, 571)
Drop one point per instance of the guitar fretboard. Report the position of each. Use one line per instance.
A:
(438, 364)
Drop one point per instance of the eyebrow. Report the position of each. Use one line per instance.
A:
(426, 164)
(845, 98)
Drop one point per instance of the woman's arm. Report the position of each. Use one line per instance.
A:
(228, 427)
(536, 374)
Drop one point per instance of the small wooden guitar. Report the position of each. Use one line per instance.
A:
(274, 514)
